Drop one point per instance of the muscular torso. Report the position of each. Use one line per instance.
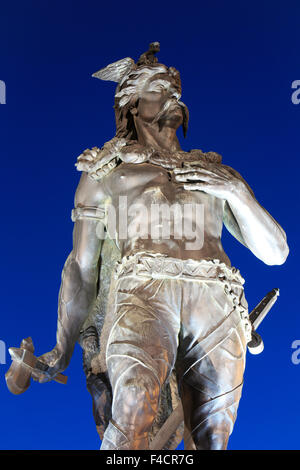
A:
(191, 229)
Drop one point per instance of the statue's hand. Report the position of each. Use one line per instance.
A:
(54, 362)
(221, 181)
(98, 162)
(87, 158)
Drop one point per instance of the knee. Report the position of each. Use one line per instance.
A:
(212, 433)
(211, 422)
(139, 384)
(135, 400)
(212, 439)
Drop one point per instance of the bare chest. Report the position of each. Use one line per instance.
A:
(150, 184)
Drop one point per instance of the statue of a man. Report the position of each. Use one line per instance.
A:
(176, 303)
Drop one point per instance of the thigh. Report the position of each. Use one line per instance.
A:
(213, 337)
(211, 362)
(145, 328)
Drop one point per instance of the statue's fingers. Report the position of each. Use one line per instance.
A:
(38, 376)
(215, 172)
(188, 175)
(195, 186)
(43, 376)
(182, 171)
(87, 155)
(195, 176)
(186, 179)
(199, 171)
(83, 165)
(83, 161)
(94, 153)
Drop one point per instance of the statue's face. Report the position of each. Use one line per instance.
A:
(158, 101)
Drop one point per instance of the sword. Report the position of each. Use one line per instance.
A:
(256, 345)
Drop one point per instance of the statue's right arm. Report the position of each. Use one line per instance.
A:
(78, 289)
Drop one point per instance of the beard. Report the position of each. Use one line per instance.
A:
(171, 111)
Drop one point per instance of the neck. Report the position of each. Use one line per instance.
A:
(149, 135)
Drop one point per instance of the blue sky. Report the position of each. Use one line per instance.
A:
(237, 62)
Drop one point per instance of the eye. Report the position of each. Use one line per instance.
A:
(159, 86)
(156, 88)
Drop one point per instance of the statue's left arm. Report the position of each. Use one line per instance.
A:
(244, 217)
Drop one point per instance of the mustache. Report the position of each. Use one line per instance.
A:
(169, 105)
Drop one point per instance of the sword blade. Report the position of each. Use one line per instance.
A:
(260, 311)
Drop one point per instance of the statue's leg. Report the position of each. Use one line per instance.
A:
(140, 355)
(211, 362)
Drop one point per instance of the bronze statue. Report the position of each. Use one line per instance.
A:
(148, 290)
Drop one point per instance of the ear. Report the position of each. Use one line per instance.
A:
(133, 111)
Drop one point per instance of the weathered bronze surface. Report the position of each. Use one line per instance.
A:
(148, 290)
(24, 366)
